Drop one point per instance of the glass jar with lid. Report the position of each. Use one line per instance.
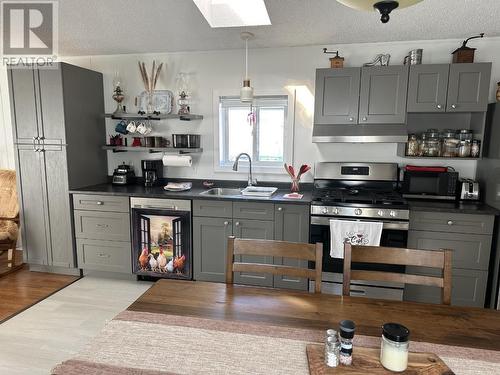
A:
(449, 143)
(394, 347)
(412, 146)
(431, 144)
(464, 149)
(464, 135)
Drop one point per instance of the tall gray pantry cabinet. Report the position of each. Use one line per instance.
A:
(59, 128)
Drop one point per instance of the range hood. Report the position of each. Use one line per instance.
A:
(357, 133)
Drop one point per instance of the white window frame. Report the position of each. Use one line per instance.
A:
(259, 167)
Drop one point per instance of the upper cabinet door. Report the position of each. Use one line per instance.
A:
(337, 96)
(52, 105)
(383, 95)
(23, 105)
(468, 87)
(428, 88)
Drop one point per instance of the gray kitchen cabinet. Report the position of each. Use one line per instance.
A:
(470, 239)
(469, 251)
(383, 95)
(254, 220)
(254, 229)
(451, 222)
(112, 226)
(254, 211)
(51, 131)
(22, 89)
(337, 96)
(468, 288)
(209, 247)
(212, 208)
(33, 219)
(291, 223)
(58, 206)
(102, 231)
(92, 202)
(109, 256)
(468, 87)
(428, 88)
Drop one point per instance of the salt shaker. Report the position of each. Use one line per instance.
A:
(347, 328)
(332, 349)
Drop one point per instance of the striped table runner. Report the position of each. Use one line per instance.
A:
(136, 343)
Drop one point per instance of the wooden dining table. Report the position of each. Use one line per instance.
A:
(432, 323)
(189, 327)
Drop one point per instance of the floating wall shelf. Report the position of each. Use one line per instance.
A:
(152, 116)
(171, 150)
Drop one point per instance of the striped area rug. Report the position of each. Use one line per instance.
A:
(142, 343)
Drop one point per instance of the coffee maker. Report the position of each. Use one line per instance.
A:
(152, 171)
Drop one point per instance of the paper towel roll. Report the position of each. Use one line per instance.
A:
(177, 161)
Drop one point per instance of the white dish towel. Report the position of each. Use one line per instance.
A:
(354, 232)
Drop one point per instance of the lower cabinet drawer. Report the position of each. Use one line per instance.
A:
(110, 226)
(359, 290)
(100, 203)
(99, 255)
(451, 222)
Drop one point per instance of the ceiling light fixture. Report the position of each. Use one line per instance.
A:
(246, 92)
(234, 13)
(385, 7)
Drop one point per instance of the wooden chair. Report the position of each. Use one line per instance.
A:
(9, 218)
(275, 249)
(406, 257)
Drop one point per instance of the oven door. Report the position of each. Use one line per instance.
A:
(161, 239)
(394, 234)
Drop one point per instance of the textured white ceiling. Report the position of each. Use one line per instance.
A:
(96, 27)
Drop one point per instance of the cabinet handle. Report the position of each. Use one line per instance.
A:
(237, 223)
(351, 119)
(364, 119)
(450, 222)
(226, 223)
(280, 208)
(102, 225)
(101, 255)
(99, 203)
(358, 292)
(453, 106)
(439, 106)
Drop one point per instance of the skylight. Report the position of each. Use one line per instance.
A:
(234, 13)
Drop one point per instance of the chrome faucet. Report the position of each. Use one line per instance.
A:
(251, 181)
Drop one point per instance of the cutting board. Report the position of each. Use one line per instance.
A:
(366, 361)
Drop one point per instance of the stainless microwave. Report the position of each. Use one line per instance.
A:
(430, 184)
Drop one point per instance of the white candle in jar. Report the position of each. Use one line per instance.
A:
(394, 347)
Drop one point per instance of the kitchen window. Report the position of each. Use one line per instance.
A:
(260, 129)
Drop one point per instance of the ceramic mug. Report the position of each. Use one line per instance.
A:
(121, 127)
(142, 128)
(132, 127)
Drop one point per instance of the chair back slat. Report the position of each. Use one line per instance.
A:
(440, 259)
(404, 257)
(397, 278)
(277, 248)
(282, 249)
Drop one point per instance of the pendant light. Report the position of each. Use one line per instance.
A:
(246, 92)
(385, 7)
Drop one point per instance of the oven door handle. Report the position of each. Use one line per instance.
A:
(394, 225)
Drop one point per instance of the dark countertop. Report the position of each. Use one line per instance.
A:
(454, 207)
(138, 190)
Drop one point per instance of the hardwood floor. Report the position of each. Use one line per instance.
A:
(6, 265)
(21, 289)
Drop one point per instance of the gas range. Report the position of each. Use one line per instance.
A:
(358, 190)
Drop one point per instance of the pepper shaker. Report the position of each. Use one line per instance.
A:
(347, 328)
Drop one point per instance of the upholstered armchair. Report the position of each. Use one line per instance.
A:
(9, 219)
